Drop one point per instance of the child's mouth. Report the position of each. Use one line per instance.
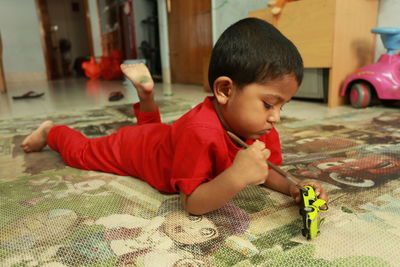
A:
(266, 131)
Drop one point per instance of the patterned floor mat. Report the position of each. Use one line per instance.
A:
(53, 215)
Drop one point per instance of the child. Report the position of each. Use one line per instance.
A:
(254, 70)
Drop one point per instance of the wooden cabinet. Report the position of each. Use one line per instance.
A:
(332, 34)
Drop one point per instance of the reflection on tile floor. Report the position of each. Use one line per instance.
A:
(74, 93)
(80, 93)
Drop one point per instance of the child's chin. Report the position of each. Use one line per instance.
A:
(254, 136)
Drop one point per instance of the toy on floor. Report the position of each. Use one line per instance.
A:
(311, 205)
(92, 69)
(107, 68)
(310, 208)
(380, 79)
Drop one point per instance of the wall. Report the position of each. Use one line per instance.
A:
(95, 27)
(142, 10)
(227, 12)
(23, 54)
(223, 14)
(164, 45)
(388, 16)
(71, 26)
(22, 50)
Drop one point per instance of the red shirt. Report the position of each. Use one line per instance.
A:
(191, 151)
(181, 156)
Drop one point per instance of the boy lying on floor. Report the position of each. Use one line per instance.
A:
(254, 70)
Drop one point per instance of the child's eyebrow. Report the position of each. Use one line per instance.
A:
(275, 98)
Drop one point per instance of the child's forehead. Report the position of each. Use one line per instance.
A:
(277, 90)
(284, 81)
(281, 78)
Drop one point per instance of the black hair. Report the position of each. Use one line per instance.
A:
(253, 51)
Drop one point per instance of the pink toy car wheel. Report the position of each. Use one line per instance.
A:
(360, 95)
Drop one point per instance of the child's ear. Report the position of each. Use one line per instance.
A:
(223, 89)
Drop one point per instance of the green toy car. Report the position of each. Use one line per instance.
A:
(311, 205)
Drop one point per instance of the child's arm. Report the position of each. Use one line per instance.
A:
(214, 194)
(281, 184)
(278, 183)
(248, 167)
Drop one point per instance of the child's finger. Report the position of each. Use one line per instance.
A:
(258, 144)
(314, 185)
(320, 192)
(317, 191)
(323, 195)
(266, 153)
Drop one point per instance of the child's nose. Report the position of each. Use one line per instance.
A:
(274, 116)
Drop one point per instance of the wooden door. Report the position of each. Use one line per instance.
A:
(46, 38)
(190, 40)
(127, 25)
(49, 35)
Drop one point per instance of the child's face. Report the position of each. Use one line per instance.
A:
(252, 111)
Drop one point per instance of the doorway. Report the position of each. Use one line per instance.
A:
(132, 27)
(65, 36)
(190, 39)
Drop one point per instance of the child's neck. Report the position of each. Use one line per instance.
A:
(220, 117)
(224, 123)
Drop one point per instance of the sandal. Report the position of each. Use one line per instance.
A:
(115, 96)
(29, 94)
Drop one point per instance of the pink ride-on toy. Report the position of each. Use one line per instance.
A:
(380, 79)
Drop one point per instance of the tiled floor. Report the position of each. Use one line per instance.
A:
(74, 93)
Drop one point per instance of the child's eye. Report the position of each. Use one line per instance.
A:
(267, 106)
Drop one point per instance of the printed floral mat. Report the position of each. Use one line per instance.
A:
(53, 215)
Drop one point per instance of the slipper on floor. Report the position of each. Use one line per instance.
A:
(115, 96)
(29, 94)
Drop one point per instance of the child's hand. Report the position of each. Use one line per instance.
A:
(250, 164)
(319, 191)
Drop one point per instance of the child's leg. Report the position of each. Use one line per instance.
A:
(79, 151)
(69, 143)
(146, 110)
(76, 150)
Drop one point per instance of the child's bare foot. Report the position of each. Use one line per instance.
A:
(37, 140)
(140, 76)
